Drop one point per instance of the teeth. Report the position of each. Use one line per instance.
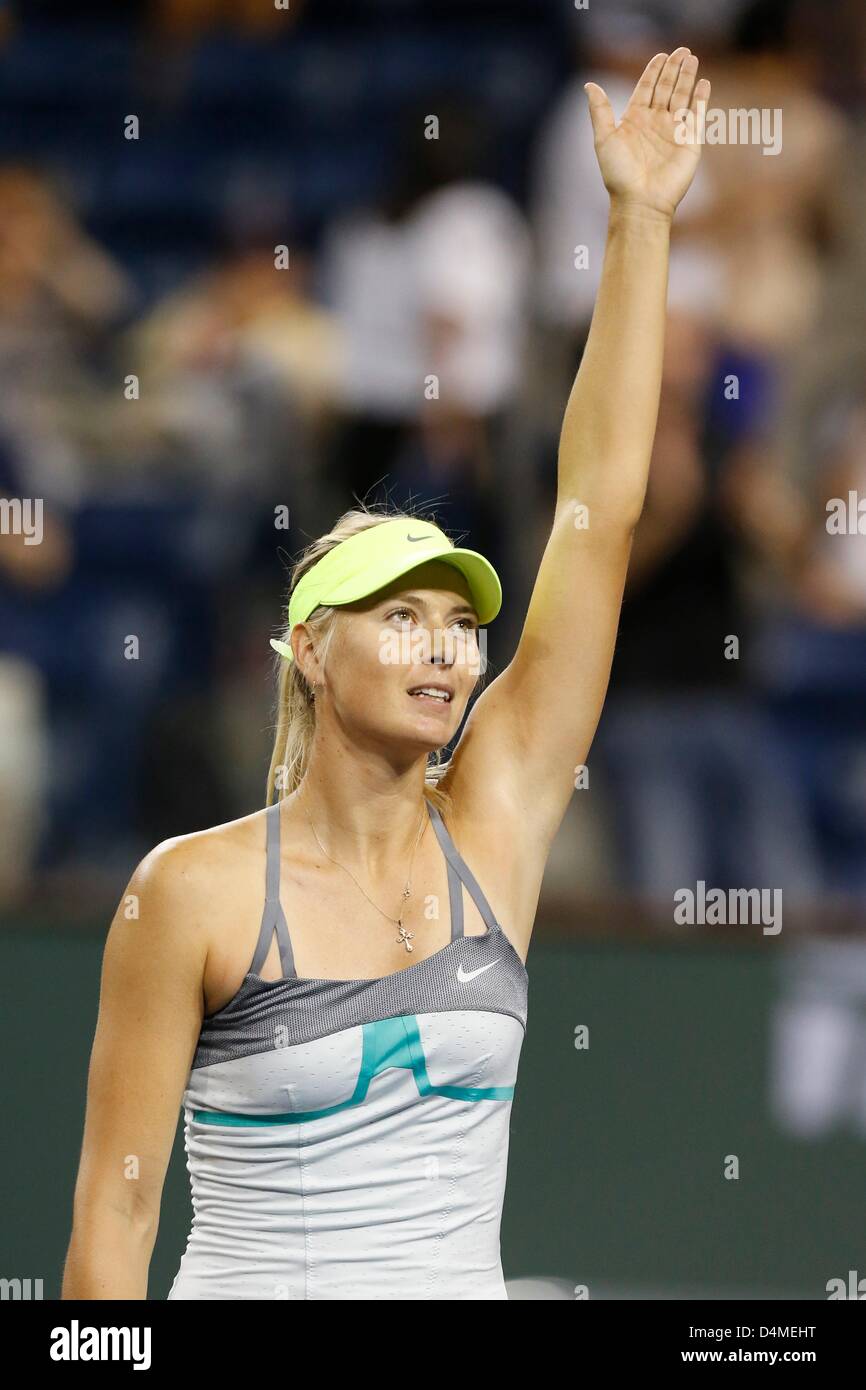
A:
(437, 694)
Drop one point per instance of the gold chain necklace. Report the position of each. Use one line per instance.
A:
(405, 936)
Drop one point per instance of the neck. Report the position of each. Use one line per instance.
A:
(366, 812)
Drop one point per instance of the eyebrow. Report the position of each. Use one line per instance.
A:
(420, 603)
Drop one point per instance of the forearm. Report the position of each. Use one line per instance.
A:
(109, 1257)
(610, 419)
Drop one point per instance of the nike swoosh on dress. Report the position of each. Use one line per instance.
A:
(464, 975)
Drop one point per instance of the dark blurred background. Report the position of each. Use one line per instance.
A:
(234, 242)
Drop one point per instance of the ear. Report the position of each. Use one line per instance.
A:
(305, 654)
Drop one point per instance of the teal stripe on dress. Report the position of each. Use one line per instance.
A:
(389, 1042)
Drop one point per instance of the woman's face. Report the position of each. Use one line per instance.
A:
(421, 630)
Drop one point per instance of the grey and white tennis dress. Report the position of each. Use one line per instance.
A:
(348, 1139)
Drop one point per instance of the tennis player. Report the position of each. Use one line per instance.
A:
(334, 988)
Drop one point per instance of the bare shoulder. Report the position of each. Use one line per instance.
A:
(187, 886)
(195, 868)
(186, 860)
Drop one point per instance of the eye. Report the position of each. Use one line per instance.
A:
(407, 613)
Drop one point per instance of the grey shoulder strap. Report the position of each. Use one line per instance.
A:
(273, 917)
(458, 869)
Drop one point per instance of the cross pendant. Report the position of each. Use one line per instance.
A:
(404, 937)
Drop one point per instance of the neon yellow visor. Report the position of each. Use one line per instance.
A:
(366, 562)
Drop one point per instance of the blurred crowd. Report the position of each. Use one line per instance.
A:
(254, 266)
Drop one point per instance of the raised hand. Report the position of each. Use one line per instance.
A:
(645, 160)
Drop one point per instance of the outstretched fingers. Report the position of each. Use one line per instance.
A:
(661, 98)
(643, 92)
(681, 96)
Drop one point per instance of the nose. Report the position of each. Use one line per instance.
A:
(438, 649)
(430, 640)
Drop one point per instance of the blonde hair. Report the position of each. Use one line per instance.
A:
(295, 706)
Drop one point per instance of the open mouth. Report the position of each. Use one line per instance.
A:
(431, 694)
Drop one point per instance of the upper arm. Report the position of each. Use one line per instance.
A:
(531, 729)
(150, 1013)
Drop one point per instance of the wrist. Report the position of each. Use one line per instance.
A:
(632, 209)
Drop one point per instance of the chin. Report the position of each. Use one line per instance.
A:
(427, 741)
(424, 735)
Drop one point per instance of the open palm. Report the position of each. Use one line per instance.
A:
(641, 159)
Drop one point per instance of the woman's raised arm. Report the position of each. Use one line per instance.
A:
(534, 724)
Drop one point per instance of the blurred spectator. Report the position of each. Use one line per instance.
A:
(60, 295)
(831, 585)
(812, 654)
(239, 371)
(768, 218)
(703, 789)
(24, 755)
(432, 285)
